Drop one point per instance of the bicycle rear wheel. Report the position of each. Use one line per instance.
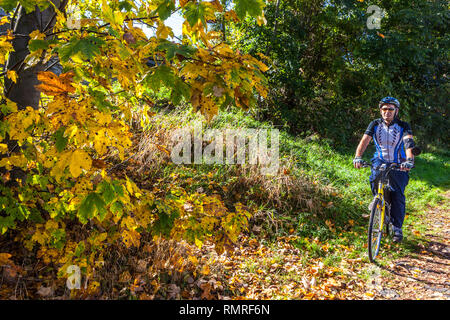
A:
(375, 230)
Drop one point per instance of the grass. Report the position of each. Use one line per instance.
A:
(322, 197)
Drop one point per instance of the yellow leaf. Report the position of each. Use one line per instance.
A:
(4, 258)
(39, 237)
(12, 106)
(183, 3)
(51, 224)
(4, 19)
(37, 35)
(131, 238)
(193, 259)
(163, 31)
(55, 85)
(205, 270)
(261, 20)
(129, 186)
(15, 160)
(12, 75)
(5, 47)
(198, 243)
(58, 168)
(78, 161)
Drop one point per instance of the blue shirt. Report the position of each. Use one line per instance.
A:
(389, 140)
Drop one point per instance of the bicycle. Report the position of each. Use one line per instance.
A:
(380, 215)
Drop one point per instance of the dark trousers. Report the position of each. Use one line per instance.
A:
(398, 182)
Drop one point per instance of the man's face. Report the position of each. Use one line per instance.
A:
(388, 112)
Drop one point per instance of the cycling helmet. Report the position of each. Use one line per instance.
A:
(390, 100)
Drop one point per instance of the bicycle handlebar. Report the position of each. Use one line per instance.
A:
(392, 166)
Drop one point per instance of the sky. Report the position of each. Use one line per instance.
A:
(175, 21)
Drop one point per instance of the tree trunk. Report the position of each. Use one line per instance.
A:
(24, 92)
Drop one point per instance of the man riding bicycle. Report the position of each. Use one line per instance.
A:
(394, 144)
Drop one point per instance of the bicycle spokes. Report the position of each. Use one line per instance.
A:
(375, 229)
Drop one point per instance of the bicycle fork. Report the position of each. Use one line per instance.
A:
(380, 196)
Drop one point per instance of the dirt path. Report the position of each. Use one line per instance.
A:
(424, 275)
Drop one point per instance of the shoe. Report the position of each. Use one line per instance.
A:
(398, 236)
(371, 204)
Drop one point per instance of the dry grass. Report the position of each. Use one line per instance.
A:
(155, 142)
(287, 192)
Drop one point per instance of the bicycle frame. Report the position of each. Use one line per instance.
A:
(383, 185)
(380, 195)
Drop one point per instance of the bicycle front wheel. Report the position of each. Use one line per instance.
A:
(375, 230)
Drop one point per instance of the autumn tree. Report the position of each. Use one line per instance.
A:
(65, 131)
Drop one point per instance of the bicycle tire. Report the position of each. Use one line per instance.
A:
(387, 222)
(375, 230)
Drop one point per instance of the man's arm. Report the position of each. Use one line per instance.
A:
(362, 146)
(409, 145)
(409, 153)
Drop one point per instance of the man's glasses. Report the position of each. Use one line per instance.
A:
(387, 109)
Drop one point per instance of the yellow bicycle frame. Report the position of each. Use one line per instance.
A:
(380, 196)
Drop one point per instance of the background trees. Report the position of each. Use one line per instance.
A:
(328, 70)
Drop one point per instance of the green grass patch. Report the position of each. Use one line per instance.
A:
(342, 192)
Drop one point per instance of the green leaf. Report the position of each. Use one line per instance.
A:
(58, 238)
(173, 48)
(29, 5)
(86, 210)
(108, 192)
(196, 11)
(8, 5)
(79, 249)
(179, 91)
(117, 208)
(118, 188)
(40, 180)
(6, 223)
(60, 140)
(38, 44)
(163, 75)
(101, 100)
(88, 48)
(165, 9)
(253, 7)
(101, 207)
(91, 206)
(43, 4)
(125, 5)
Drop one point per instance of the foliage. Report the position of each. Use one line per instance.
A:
(327, 70)
(69, 146)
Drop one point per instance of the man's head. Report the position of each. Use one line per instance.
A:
(389, 107)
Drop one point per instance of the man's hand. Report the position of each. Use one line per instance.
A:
(407, 165)
(358, 162)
